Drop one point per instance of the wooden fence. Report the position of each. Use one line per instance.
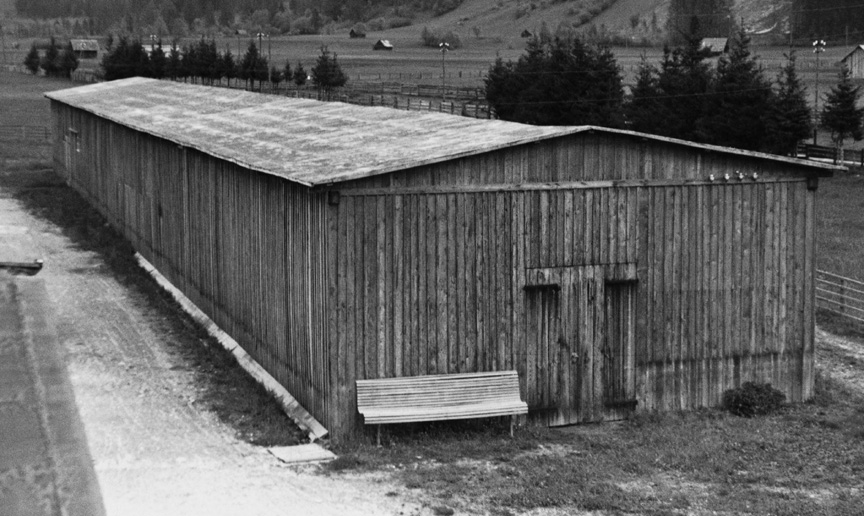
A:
(852, 156)
(840, 295)
(35, 133)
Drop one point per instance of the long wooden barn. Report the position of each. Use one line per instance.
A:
(615, 271)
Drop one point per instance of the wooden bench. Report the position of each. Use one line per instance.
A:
(439, 397)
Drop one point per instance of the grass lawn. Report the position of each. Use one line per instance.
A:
(808, 459)
(840, 224)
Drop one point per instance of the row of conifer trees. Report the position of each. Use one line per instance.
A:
(201, 61)
(53, 62)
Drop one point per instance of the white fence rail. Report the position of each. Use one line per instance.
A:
(840, 295)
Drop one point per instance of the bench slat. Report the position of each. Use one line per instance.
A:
(440, 397)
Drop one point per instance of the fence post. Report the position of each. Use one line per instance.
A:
(843, 295)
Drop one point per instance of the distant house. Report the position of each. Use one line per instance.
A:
(241, 32)
(356, 33)
(85, 48)
(715, 46)
(382, 44)
(526, 33)
(854, 60)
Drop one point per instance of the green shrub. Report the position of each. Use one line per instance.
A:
(753, 399)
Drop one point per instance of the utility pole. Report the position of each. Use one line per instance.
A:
(3, 41)
(444, 46)
(818, 48)
(261, 51)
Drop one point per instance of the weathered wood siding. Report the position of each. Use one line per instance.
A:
(855, 62)
(718, 278)
(245, 247)
(582, 157)
(608, 270)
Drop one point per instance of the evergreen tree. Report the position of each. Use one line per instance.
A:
(327, 74)
(32, 61)
(841, 115)
(51, 60)
(192, 61)
(737, 112)
(229, 67)
(139, 60)
(68, 61)
(275, 77)
(713, 18)
(183, 68)
(172, 66)
(287, 73)
(158, 61)
(249, 64)
(684, 82)
(262, 68)
(789, 121)
(566, 82)
(643, 109)
(299, 75)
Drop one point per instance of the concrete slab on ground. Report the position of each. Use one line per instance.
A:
(302, 453)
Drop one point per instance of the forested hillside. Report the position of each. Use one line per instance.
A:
(181, 16)
(831, 20)
(654, 21)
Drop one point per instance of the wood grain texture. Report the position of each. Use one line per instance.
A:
(648, 281)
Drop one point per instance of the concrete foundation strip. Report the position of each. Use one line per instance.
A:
(291, 406)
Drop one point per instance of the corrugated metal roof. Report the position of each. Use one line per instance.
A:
(85, 45)
(305, 141)
(714, 44)
(311, 142)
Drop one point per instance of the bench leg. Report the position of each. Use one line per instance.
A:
(379, 436)
(512, 423)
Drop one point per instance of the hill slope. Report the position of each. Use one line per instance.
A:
(633, 20)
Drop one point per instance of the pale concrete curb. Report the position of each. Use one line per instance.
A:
(290, 405)
(302, 453)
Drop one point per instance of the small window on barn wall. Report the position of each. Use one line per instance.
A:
(618, 350)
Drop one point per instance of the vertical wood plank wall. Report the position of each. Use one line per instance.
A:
(245, 247)
(423, 271)
(430, 283)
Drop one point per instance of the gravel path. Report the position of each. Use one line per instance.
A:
(155, 451)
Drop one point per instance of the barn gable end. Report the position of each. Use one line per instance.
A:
(614, 271)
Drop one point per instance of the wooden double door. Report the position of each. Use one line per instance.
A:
(580, 342)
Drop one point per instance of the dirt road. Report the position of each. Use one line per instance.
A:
(156, 450)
